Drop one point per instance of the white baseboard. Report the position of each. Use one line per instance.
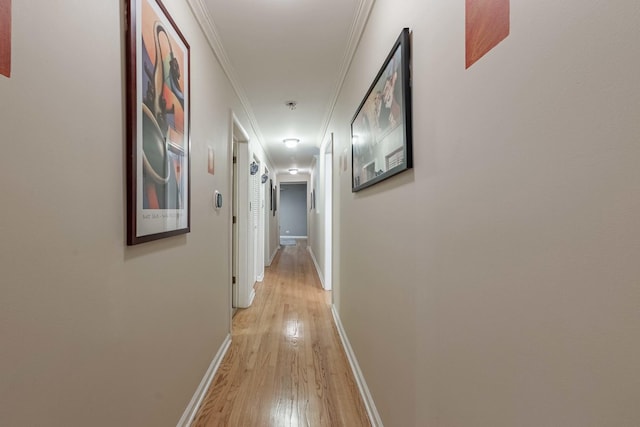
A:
(273, 255)
(201, 391)
(251, 297)
(315, 262)
(260, 278)
(372, 412)
(247, 303)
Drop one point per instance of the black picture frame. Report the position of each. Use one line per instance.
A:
(158, 124)
(275, 200)
(381, 131)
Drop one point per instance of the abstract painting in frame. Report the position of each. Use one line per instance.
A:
(487, 23)
(5, 37)
(158, 122)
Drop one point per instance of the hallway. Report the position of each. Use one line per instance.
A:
(496, 283)
(286, 365)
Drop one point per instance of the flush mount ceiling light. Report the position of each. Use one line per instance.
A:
(293, 171)
(291, 142)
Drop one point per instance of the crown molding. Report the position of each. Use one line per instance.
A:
(202, 15)
(355, 34)
(206, 23)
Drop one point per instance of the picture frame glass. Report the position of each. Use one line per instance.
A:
(275, 200)
(381, 128)
(158, 121)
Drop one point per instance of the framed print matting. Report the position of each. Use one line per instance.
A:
(158, 121)
(381, 128)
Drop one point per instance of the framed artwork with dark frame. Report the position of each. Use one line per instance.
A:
(381, 135)
(5, 38)
(158, 124)
(271, 194)
(275, 200)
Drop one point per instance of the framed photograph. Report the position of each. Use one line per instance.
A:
(275, 200)
(271, 194)
(381, 128)
(158, 121)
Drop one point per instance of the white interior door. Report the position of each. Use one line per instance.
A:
(243, 225)
(255, 223)
(234, 230)
(261, 229)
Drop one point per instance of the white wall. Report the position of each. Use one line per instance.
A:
(92, 329)
(496, 284)
(315, 242)
(269, 222)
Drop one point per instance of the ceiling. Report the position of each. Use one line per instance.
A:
(275, 51)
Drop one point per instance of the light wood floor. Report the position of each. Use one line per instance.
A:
(286, 366)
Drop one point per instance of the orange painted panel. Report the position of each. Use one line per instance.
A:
(5, 37)
(487, 23)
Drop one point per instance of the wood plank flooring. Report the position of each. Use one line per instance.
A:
(286, 366)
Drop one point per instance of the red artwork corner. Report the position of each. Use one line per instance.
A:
(5, 37)
(487, 23)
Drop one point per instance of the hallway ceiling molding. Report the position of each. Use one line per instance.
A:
(279, 51)
(208, 27)
(355, 33)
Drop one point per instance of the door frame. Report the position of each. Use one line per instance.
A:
(327, 157)
(256, 238)
(240, 198)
